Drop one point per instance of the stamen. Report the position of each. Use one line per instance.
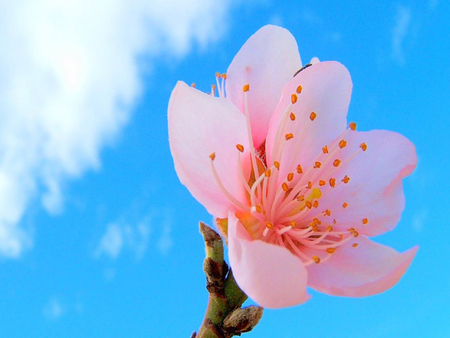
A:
(365, 221)
(240, 147)
(331, 250)
(193, 85)
(294, 98)
(292, 116)
(285, 186)
(345, 205)
(299, 89)
(277, 165)
(363, 146)
(246, 88)
(354, 245)
(332, 182)
(290, 177)
(342, 143)
(212, 156)
(346, 179)
(322, 183)
(352, 126)
(316, 259)
(317, 165)
(299, 169)
(325, 150)
(289, 136)
(337, 162)
(313, 116)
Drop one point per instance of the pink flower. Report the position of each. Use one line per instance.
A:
(301, 192)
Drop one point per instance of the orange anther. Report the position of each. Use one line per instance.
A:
(212, 156)
(277, 165)
(317, 164)
(346, 179)
(290, 177)
(240, 147)
(285, 186)
(325, 150)
(299, 169)
(337, 162)
(322, 183)
(246, 88)
(363, 146)
(332, 182)
(313, 116)
(365, 221)
(345, 205)
(352, 125)
(316, 259)
(342, 143)
(299, 89)
(294, 98)
(331, 250)
(292, 116)
(289, 136)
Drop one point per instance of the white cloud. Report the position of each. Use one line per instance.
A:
(165, 241)
(53, 310)
(119, 236)
(69, 75)
(401, 28)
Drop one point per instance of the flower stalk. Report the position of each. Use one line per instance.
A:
(224, 316)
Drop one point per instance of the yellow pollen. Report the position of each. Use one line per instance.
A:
(316, 193)
(316, 204)
(342, 143)
(325, 150)
(268, 173)
(246, 88)
(290, 177)
(240, 147)
(212, 156)
(292, 116)
(363, 146)
(258, 208)
(277, 165)
(301, 198)
(299, 89)
(224, 76)
(317, 164)
(193, 85)
(346, 179)
(299, 169)
(289, 136)
(269, 225)
(329, 228)
(354, 245)
(331, 250)
(352, 125)
(313, 116)
(337, 162)
(322, 183)
(365, 221)
(345, 205)
(327, 212)
(316, 259)
(294, 98)
(285, 186)
(308, 204)
(332, 182)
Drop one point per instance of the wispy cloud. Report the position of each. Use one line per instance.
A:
(53, 310)
(165, 241)
(399, 32)
(119, 236)
(69, 76)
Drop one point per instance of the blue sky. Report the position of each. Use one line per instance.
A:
(97, 235)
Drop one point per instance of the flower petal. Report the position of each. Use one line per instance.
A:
(325, 90)
(199, 125)
(365, 270)
(266, 62)
(267, 273)
(374, 192)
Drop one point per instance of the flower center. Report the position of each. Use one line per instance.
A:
(286, 211)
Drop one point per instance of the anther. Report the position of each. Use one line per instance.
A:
(337, 162)
(299, 89)
(285, 186)
(309, 185)
(316, 204)
(218, 75)
(292, 224)
(329, 228)
(322, 183)
(331, 250)
(327, 212)
(258, 209)
(316, 259)
(353, 232)
(290, 177)
(292, 116)
(332, 182)
(289, 136)
(212, 156)
(299, 169)
(342, 143)
(269, 225)
(294, 98)
(345, 205)
(240, 147)
(246, 88)
(317, 165)
(313, 116)
(325, 150)
(352, 125)
(308, 204)
(346, 179)
(363, 146)
(268, 172)
(354, 245)
(277, 165)
(193, 85)
(317, 221)
(301, 198)
(224, 76)
(365, 221)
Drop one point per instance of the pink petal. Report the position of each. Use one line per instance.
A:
(366, 270)
(266, 62)
(199, 125)
(325, 90)
(267, 273)
(375, 188)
